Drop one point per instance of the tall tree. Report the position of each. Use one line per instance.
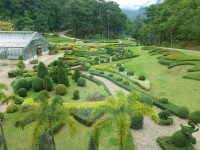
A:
(42, 70)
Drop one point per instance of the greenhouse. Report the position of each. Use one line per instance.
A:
(29, 44)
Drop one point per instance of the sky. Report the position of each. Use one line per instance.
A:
(134, 4)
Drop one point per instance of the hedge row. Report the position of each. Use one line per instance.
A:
(170, 106)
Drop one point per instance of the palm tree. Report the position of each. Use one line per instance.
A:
(121, 109)
(49, 113)
(2, 96)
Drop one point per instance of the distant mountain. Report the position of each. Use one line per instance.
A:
(132, 14)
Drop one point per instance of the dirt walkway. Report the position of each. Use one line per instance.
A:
(4, 73)
(145, 139)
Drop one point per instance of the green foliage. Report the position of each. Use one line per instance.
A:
(62, 77)
(37, 84)
(12, 74)
(61, 89)
(183, 112)
(119, 79)
(142, 78)
(48, 83)
(92, 145)
(130, 73)
(11, 108)
(81, 82)
(96, 94)
(76, 95)
(44, 93)
(25, 108)
(101, 72)
(45, 142)
(17, 99)
(22, 83)
(165, 117)
(126, 54)
(163, 100)
(96, 59)
(137, 122)
(110, 75)
(145, 99)
(126, 83)
(61, 64)
(2, 117)
(22, 92)
(195, 117)
(42, 70)
(121, 68)
(77, 75)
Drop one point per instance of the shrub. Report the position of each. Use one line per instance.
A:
(61, 64)
(110, 75)
(163, 100)
(22, 83)
(119, 79)
(165, 118)
(45, 142)
(76, 95)
(101, 72)
(25, 108)
(146, 100)
(35, 67)
(119, 65)
(126, 54)
(22, 92)
(61, 89)
(126, 83)
(77, 75)
(81, 82)
(48, 83)
(62, 77)
(37, 84)
(55, 78)
(2, 117)
(195, 117)
(12, 74)
(92, 145)
(137, 122)
(42, 70)
(17, 99)
(96, 94)
(121, 69)
(96, 59)
(183, 112)
(130, 73)
(11, 108)
(142, 78)
(178, 139)
(44, 93)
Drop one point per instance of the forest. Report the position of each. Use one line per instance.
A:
(168, 23)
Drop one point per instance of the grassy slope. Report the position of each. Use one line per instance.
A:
(166, 82)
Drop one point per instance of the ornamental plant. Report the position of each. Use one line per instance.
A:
(62, 77)
(42, 70)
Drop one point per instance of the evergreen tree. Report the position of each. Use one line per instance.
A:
(61, 64)
(42, 70)
(77, 74)
(62, 77)
(48, 83)
(45, 142)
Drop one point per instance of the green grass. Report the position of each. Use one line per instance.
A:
(195, 76)
(59, 40)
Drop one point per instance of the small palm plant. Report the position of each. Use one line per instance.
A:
(121, 109)
(48, 113)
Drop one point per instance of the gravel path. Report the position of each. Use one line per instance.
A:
(145, 139)
(6, 80)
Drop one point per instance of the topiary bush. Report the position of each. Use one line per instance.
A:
(146, 100)
(62, 77)
(76, 75)
(101, 72)
(2, 117)
(42, 70)
(165, 118)
(48, 83)
(22, 83)
(195, 117)
(61, 89)
(25, 108)
(163, 100)
(121, 69)
(110, 75)
(125, 83)
(11, 108)
(17, 99)
(76, 95)
(37, 84)
(22, 92)
(137, 122)
(118, 64)
(183, 112)
(81, 82)
(44, 93)
(130, 73)
(96, 59)
(119, 79)
(142, 78)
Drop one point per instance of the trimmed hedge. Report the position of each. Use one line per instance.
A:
(22, 83)
(37, 84)
(61, 89)
(81, 82)
(183, 112)
(137, 122)
(163, 100)
(76, 95)
(22, 92)
(195, 117)
(142, 78)
(11, 108)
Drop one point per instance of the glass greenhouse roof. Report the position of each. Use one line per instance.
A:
(17, 39)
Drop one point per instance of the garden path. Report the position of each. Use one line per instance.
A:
(145, 139)
(46, 59)
(184, 50)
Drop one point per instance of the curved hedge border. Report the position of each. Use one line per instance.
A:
(170, 106)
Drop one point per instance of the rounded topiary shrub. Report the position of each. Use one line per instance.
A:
(55, 78)
(96, 59)
(61, 89)
(37, 84)
(183, 112)
(22, 83)
(76, 95)
(81, 82)
(44, 93)
(119, 79)
(146, 100)
(130, 73)
(126, 83)
(195, 117)
(110, 75)
(142, 78)
(137, 122)
(101, 72)
(11, 108)
(179, 139)
(163, 100)
(22, 92)
(121, 69)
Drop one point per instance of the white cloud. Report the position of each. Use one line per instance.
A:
(134, 4)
